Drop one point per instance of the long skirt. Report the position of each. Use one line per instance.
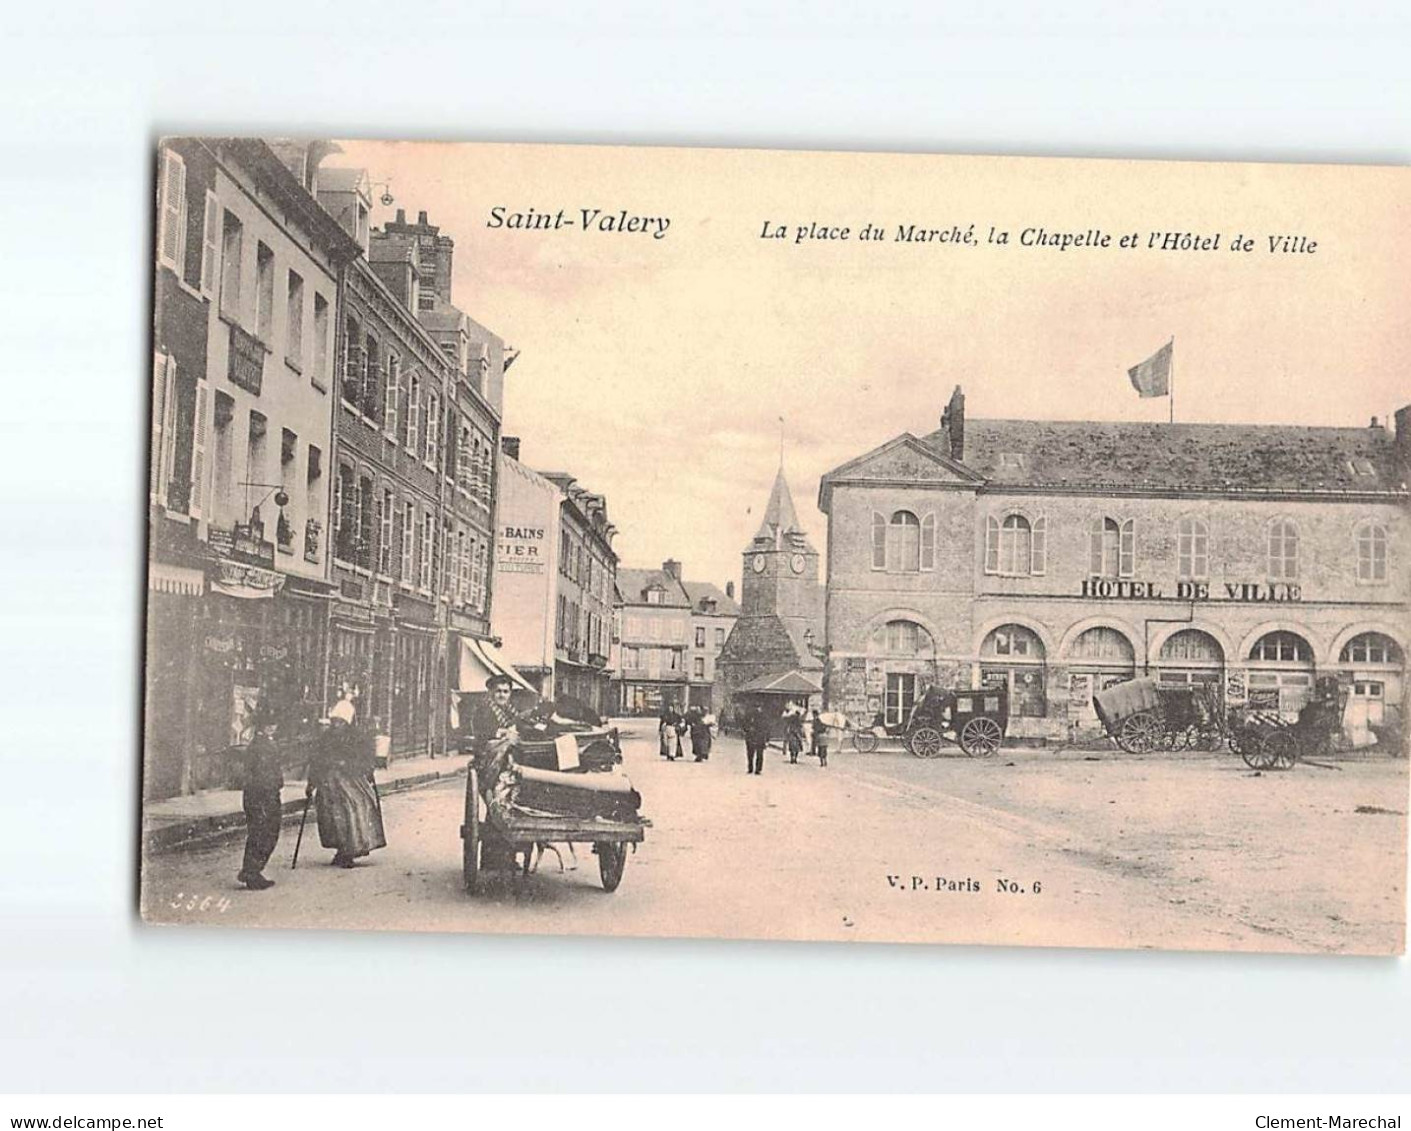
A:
(348, 817)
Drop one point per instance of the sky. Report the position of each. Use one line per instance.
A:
(664, 372)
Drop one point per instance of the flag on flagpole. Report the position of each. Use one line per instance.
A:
(1152, 378)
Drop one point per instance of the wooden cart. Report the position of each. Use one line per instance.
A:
(494, 841)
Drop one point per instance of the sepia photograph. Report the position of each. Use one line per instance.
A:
(776, 545)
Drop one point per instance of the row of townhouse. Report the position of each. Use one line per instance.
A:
(323, 473)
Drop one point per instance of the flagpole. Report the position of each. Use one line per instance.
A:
(1172, 419)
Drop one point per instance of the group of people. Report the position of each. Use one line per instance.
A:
(801, 729)
(341, 785)
(673, 727)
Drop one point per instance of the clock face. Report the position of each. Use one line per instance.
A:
(796, 563)
(759, 563)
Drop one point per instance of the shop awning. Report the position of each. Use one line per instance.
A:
(180, 581)
(479, 661)
(248, 582)
(789, 683)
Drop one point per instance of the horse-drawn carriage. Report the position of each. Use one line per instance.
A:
(1268, 741)
(974, 720)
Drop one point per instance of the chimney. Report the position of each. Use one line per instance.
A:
(672, 568)
(953, 423)
(730, 590)
(510, 446)
(1401, 443)
(421, 218)
(401, 215)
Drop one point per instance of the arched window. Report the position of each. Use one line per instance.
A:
(1015, 546)
(1103, 645)
(1283, 550)
(1112, 547)
(1190, 645)
(1371, 552)
(1013, 642)
(1193, 548)
(901, 638)
(1281, 647)
(904, 542)
(1370, 648)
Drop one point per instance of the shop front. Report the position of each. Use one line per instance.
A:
(1013, 656)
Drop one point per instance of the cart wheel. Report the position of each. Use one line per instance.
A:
(1281, 749)
(864, 741)
(980, 737)
(1256, 752)
(470, 834)
(1177, 739)
(1140, 733)
(612, 859)
(925, 742)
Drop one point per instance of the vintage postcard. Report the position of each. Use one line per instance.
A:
(778, 545)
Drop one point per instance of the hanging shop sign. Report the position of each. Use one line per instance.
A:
(1243, 592)
(239, 579)
(247, 360)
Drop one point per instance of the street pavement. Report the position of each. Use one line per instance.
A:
(1034, 847)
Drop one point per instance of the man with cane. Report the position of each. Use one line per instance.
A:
(260, 800)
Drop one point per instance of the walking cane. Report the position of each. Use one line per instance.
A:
(308, 797)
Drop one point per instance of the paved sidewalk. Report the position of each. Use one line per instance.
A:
(216, 814)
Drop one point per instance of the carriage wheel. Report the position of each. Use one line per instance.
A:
(1282, 749)
(980, 737)
(1257, 753)
(864, 741)
(470, 834)
(612, 859)
(1140, 733)
(925, 742)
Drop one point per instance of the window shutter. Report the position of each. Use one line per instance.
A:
(155, 488)
(171, 236)
(198, 450)
(394, 382)
(1128, 544)
(928, 542)
(1095, 537)
(991, 544)
(879, 541)
(338, 506)
(1038, 546)
(210, 244)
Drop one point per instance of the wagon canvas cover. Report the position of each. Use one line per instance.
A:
(674, 435)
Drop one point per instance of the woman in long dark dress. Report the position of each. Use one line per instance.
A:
(341, 781)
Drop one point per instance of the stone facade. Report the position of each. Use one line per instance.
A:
(1010, 570)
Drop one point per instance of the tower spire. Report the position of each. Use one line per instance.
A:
(780, 517)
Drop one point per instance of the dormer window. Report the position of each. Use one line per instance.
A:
(1013, 461)
(654, 596)
(1362, 468)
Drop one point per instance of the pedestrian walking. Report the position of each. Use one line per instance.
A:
(341, 781)
(793, 732)
(669, 733)
(757, 724)
(820, 738)
(259, 797)
(700, 733)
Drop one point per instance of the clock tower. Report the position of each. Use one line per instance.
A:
(780, 627)
(780, 564)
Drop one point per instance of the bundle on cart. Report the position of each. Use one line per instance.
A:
(606, 796)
